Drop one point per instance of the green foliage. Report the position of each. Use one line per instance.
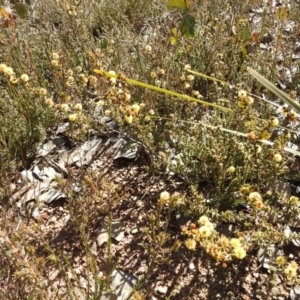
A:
(182, 4)
(21, 10)
(187, 23)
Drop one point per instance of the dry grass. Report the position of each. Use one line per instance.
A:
(47, 78)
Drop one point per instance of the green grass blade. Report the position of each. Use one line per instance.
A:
(208, 77)
(270, 86)
(161, 90)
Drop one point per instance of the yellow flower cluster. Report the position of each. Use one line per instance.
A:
(55, 59)
(277, 158)
(231, 170)
(294, 200)
(225, 249)
(112, 80)
(237, 250)
(273, 121)
(76, 111)
(164, 198)
(244, 100)
(82, 79)
(9, 72)
(190, 244)
(187, 78)
(255, 200)
(148, 49)
(174, 200)
(131, 111)
(6, 70)
(265, 135)
(24, 77)
(291, 270)
(71, 10)
(219, 247)
(245, 189)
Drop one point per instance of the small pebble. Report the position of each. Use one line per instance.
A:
(134, 230)
(191, 266)
(139, 203)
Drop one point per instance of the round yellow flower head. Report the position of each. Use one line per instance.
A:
(148, 48)
(195, 93)
(277, 158)
(9, 71)
(254, 196)
(24, 77)
(164, 197)
(70, 72)
(78, 106)
(190, 244)
(13, 79)
(258, 149)
(49, 102)
(157, 82)
(281, 260)
(292, 116)
(294, 200)
(107, 112)
(231, 170)
(265, 135)
(127, 97)
(82, 77)
(153, 74)
(92, 79)
(235, 243)
(64, 107)
(128, 119)
(161, 72)
(54, 63)
(273, 121)
(241, 104)
(255, 199)
(249, 101)
(190, 77)
(72, 117)
(209, 225)
(205, 231)
(291, 270)
(55, 55)
(43, 92)
(112, 80)
(187, 67)
(187, 86)
(239, 252)
(224, 241)
(245, 189)
(3, 67)
(135, 108)
(242, 94)
(78, 69)
(203, 220)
